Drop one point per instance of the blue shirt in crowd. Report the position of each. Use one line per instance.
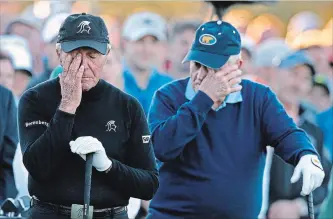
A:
(144, 96)
(325, 122)
(212, 162)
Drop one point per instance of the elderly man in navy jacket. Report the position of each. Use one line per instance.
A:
(210, 132)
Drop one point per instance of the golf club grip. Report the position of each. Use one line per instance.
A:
(87, 185)
(310, 206)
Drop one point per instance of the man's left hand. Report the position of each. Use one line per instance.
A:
(313, 174)
(87, 144)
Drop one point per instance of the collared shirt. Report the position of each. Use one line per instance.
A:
(230, 99)
(144, 96)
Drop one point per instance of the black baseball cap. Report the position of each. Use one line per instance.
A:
(83, 30)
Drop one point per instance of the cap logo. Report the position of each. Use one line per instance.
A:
(84, 27)
(207, 39)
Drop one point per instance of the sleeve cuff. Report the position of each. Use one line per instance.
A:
(201, 102)
(113, 167)
(61, 115)
(306, 152)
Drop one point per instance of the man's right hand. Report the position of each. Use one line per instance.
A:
(70, 82)
(217, 85)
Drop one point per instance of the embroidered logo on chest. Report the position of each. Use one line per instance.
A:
(111, 126)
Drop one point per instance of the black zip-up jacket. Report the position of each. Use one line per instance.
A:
(115, 118)
(8, 143)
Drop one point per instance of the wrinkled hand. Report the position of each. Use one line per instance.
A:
(87, 144)
(217, 85)
(284, 209)
(313, 175)
(70, 82)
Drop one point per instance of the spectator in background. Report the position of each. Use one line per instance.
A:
(30, 29)
(112, 71)
(8, 142)
(318, 53)
(320, 95)
(247, 50)
(6, 71)
(49, 34)
(180, 40)
(267, 56)
(312, 42)
(17, 48)
(295, 82)
(143, 35)
(325, 122)
(18, 53)
(23, 70)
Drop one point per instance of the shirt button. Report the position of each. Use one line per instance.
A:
(219, 22)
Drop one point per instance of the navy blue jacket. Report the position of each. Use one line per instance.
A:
(211, 163)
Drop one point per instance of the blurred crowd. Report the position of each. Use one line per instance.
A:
(150, 55)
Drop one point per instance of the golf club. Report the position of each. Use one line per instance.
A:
(87, 185)
(309, 199)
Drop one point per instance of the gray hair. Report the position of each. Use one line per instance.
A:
(234, 58)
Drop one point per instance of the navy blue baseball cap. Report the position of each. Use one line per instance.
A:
(214, 43)
(83, 30)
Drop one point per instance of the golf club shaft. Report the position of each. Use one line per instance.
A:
(87, 185)
(310, 206)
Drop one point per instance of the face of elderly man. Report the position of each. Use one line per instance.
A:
(91, 59)
(82, 46)
(198, 72)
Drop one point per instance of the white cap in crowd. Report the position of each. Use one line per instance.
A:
(270, 52)
(27, 20)
(17, 48)
(52, 25)
(143, 24)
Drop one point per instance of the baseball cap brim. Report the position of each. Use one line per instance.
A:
(69, 46)
(296, 60)
(210, 60)
(142, 32)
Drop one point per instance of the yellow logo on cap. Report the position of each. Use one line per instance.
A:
(207, 39)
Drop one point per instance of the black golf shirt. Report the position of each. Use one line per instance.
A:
(115, 118)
